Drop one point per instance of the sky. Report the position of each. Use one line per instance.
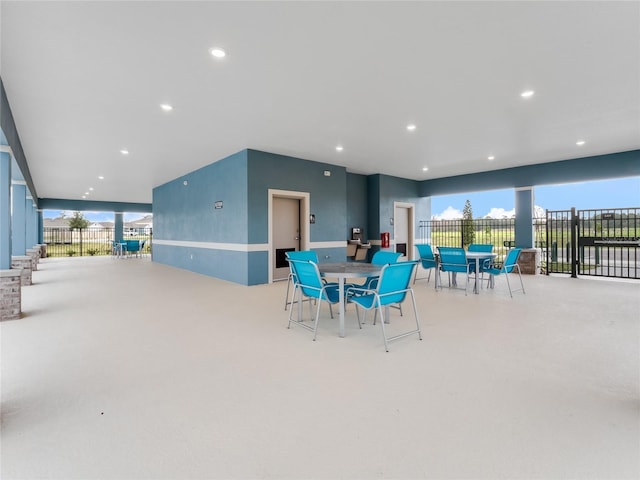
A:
(618, 193)
(94, 216)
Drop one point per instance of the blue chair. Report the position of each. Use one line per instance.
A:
(133, 247)
(427, 260)
(453, 260)
(118, 248)
(304, 255)
(391, 289)
(310, 285)
(509, 265)
(291, 280)
(380, 258)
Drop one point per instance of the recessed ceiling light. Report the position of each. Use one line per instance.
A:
(91, 189)
(86, 193)
(527, 93)
(84, 196)
(411, 127)
(218, 52)
(424, 169)
(124, 151)
(580, 143)
(166, 107)
(491, 157)
(100, 177)
(339, 148)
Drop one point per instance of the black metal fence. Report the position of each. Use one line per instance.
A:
(64, 242)
(460, 233)
(597, 242)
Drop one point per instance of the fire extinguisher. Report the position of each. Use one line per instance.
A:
(384, 239)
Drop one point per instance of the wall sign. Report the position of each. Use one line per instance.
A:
(218, 204)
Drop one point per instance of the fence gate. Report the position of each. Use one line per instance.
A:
(600, 242)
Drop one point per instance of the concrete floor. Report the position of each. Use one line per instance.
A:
(125, 369)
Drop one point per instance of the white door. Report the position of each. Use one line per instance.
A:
(286, 233)
(401, 230)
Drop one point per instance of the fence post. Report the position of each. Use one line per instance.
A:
(574, 243)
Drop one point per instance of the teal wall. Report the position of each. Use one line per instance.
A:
(615, 165)
(327, 195)
(383, 191)
(232, 242)
(190, 233)
(357, 205)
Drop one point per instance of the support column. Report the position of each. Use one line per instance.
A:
(19, 218)
(5, 210)
(118, 225)
(524, 217)
(32, 220)
(10, 278)
(40, 227)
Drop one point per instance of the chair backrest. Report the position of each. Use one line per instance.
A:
(308, 277)
(425, 251)
(453, 258)
(511, 260)
(133, 245)
(303, 255)
(426, 255)
(383, 258)
(394, 282)
(480, 247)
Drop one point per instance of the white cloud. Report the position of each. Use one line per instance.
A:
(450, 213)
(500, 213)
(539, 212)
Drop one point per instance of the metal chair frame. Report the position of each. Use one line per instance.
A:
(392, 288)
(510, 264)
(310, 284)
(427, 260)
(453, 260)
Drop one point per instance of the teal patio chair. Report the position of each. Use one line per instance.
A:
(310, 285)
(427, 260)
(133, 247)
(380, 258)
(291, 279)
(391, 289)
(453, 260)
(508, 266)
(304, 255)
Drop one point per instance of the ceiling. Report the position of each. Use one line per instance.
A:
(85, 80)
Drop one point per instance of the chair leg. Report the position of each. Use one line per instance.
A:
(520, 275)
(415, 313)
(384, 333)
(358, 317)
(506, 275)
(315, 325)
(286, 298)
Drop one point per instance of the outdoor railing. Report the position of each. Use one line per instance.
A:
(460, 233)
(64, 242)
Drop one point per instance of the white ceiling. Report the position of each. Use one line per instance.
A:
(85, 80)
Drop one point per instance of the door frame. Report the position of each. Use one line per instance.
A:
(410, 227)
(304, 220)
